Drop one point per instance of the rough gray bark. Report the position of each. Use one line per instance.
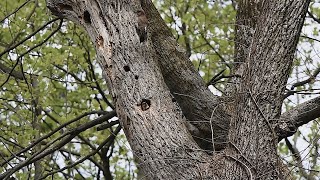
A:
(202, 109)
(156, 89)
(257, 106)
(302, 114)
(151, 119)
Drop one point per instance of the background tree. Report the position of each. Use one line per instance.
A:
(48, 63)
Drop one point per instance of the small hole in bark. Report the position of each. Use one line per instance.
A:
(128, 120)
(145, 104)
(86, 16)
(126, 68)
(142, 33)
(113, 6)
(136, 77)
(174, 100)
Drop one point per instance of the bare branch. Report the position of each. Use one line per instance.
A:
(106, 142)
(220, 76)
(307, 37)
(214, 49)
(296, 155)
(298, 116)
(7, 70)
(73, 75)
(313, 17)
(11, 142)
(66, 138)
(310, 79)
(79, 155)
(28, 37)
(16, 10)
(107, 125)
(98, 87)
(54, 131)
(38, 45)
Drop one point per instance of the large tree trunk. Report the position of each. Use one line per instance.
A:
(274, 28)
(156, 89)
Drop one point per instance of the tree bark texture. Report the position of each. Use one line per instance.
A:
(266, 67)
(157, 91)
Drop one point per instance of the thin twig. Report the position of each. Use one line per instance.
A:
(265, 118)
(28, 37)
(23, 54)
(44, 151)
(242, 163)
(313, 17)
(13, 12)
(108, 140)
(112, 114)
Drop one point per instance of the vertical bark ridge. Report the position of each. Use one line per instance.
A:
(265, 73)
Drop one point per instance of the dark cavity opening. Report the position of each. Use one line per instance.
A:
(86, 17)
(145, 104)
(126, 68)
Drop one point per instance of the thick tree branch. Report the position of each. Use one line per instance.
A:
(291, 120)
(185, 84)
(7, 70)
